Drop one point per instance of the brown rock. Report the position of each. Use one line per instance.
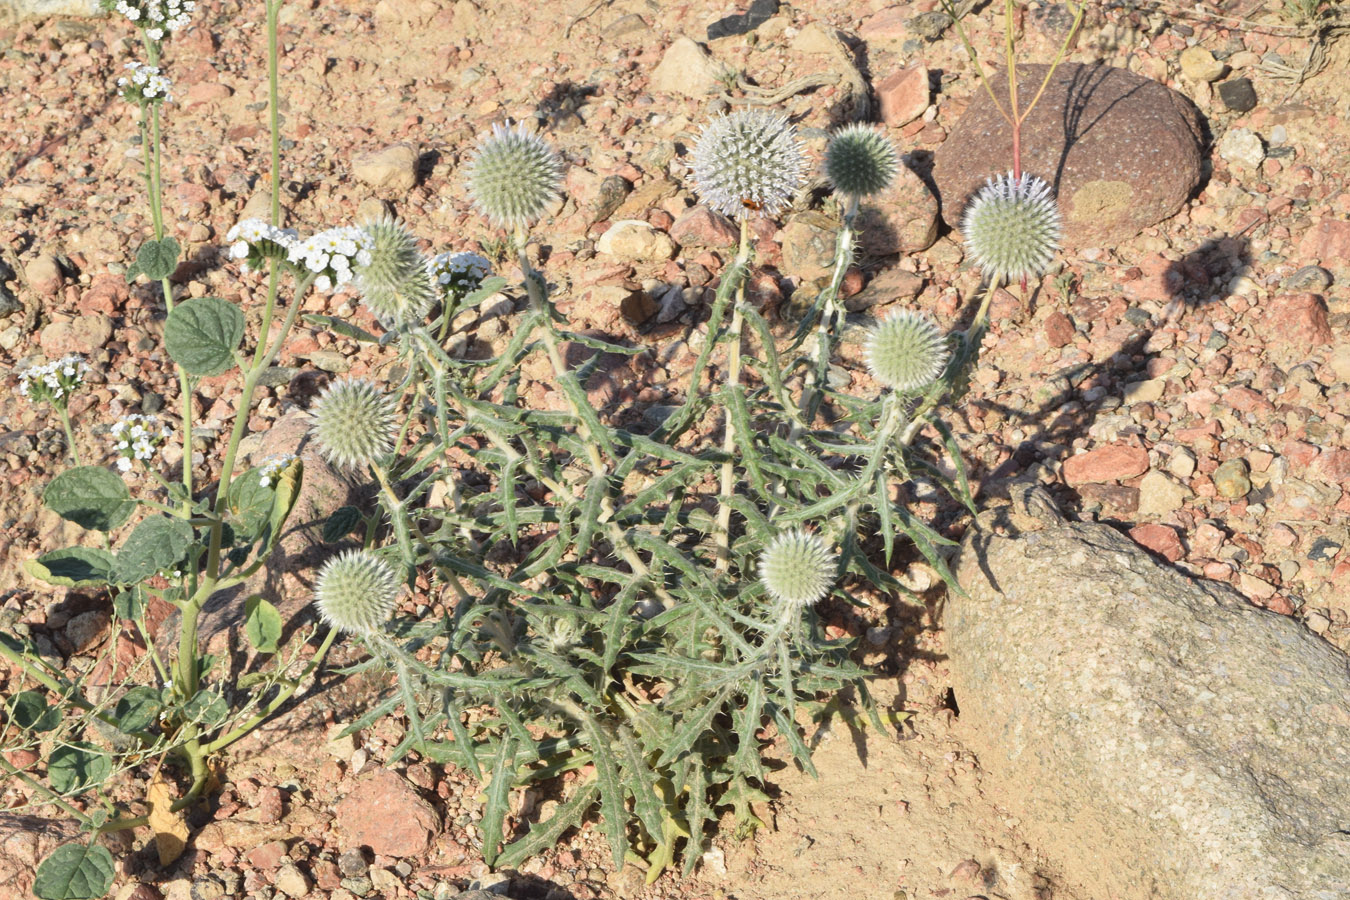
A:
(393, 168)
(84, 335)
(904, 95)
(1297, 321)
(266, 857)
(44, 275)
(1114, 462)
(1160, 539)
(384, 813)
(808, 242)
(700, 226)
(1332, 466)
(904, 219)
(1120, 499)
(1058, 329)
(889, 285)
(1121, 151)
(106, 295)
(1327, 242)
(206, 92)
(886, 26)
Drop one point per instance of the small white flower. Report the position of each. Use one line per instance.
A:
(136, 438)
(53, 382)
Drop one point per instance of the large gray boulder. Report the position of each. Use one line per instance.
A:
(15, 10)
(1160, 738)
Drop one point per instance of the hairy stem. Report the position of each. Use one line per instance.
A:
(722, 534)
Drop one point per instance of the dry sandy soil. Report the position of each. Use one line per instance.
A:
(903, 816)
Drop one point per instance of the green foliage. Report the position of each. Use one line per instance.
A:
(77, 766)
(262, 624)
(155, 544)
(91, 497)
(74, 872)
(155, 260)
(201, 335)
(30, 711)
(137, 709)
(73, 567)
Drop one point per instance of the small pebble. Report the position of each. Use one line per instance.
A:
(1230, 479)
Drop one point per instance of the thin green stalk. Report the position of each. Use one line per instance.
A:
(39, 787)
(722, 533)
(64, 415)
(273, 14)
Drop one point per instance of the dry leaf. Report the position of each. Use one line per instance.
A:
(171, 829)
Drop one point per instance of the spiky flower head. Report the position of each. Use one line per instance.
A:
(748, 160)
(394, 281)
(354, 422)
(513, 176)
(906, 352)
(357, 592)
(1012, 227)
(797, 569)
(860, 161)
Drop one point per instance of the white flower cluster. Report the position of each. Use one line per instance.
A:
(458, 274)
(53, 381)
(332, 254)
(273, 467)
(145, 83)
(253, 240)
(157, 17)
(137, 436)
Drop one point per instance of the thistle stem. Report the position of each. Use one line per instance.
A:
(722, 534)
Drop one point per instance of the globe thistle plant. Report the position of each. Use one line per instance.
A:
(394, 281)
(1012, 227)
(513, 176)
(354, 423)
(906, 352)
(797, 569)
(748, 160)
(356, 592)
(860, 161)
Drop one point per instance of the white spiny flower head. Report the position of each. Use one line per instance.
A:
(53, 382)
(354, 422)
(333, 255)
(458, 274)
(1012, 227)
(136, 438)
(514, 176)
(797, 569)
(861, 161)
(906, 352)
(357, 592)
(748, 160)
(394, 281)
(158, 17)
(254, 241)
(144, 84)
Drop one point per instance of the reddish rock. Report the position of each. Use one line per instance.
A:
(1327, 242)
(1122, 151)
(1160, 279)
(1160, 539)
(701, 227)
(326, 874)
(267, 856)
(903, 219)
(1298, 321)
(887, 26)
(44, 275)
(206, 92)
(1332, 466)
(1244, 399)
(106, 295)
(904, 95)
(1299, 453)
(1120, 499)
(83, 336)
(385, 814)
(1058, 329)
(1114, 462)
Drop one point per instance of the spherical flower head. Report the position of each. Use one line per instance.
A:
(860, 161)
(357, 592)
(144, 84)
(354, 423)
(513, 176)
(906, 352)
(748, 160)
(797, 569)
(394, 281)
(1012, 227)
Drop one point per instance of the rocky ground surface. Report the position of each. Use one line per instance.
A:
(1189, 384)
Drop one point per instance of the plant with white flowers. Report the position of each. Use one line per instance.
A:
(636, 601)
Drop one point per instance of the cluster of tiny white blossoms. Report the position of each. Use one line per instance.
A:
(137, 436)
(458, 274)
(253, 240)
(331, 255)
(54, 381)
(273, 467)
(146, 83)
(157, 17)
